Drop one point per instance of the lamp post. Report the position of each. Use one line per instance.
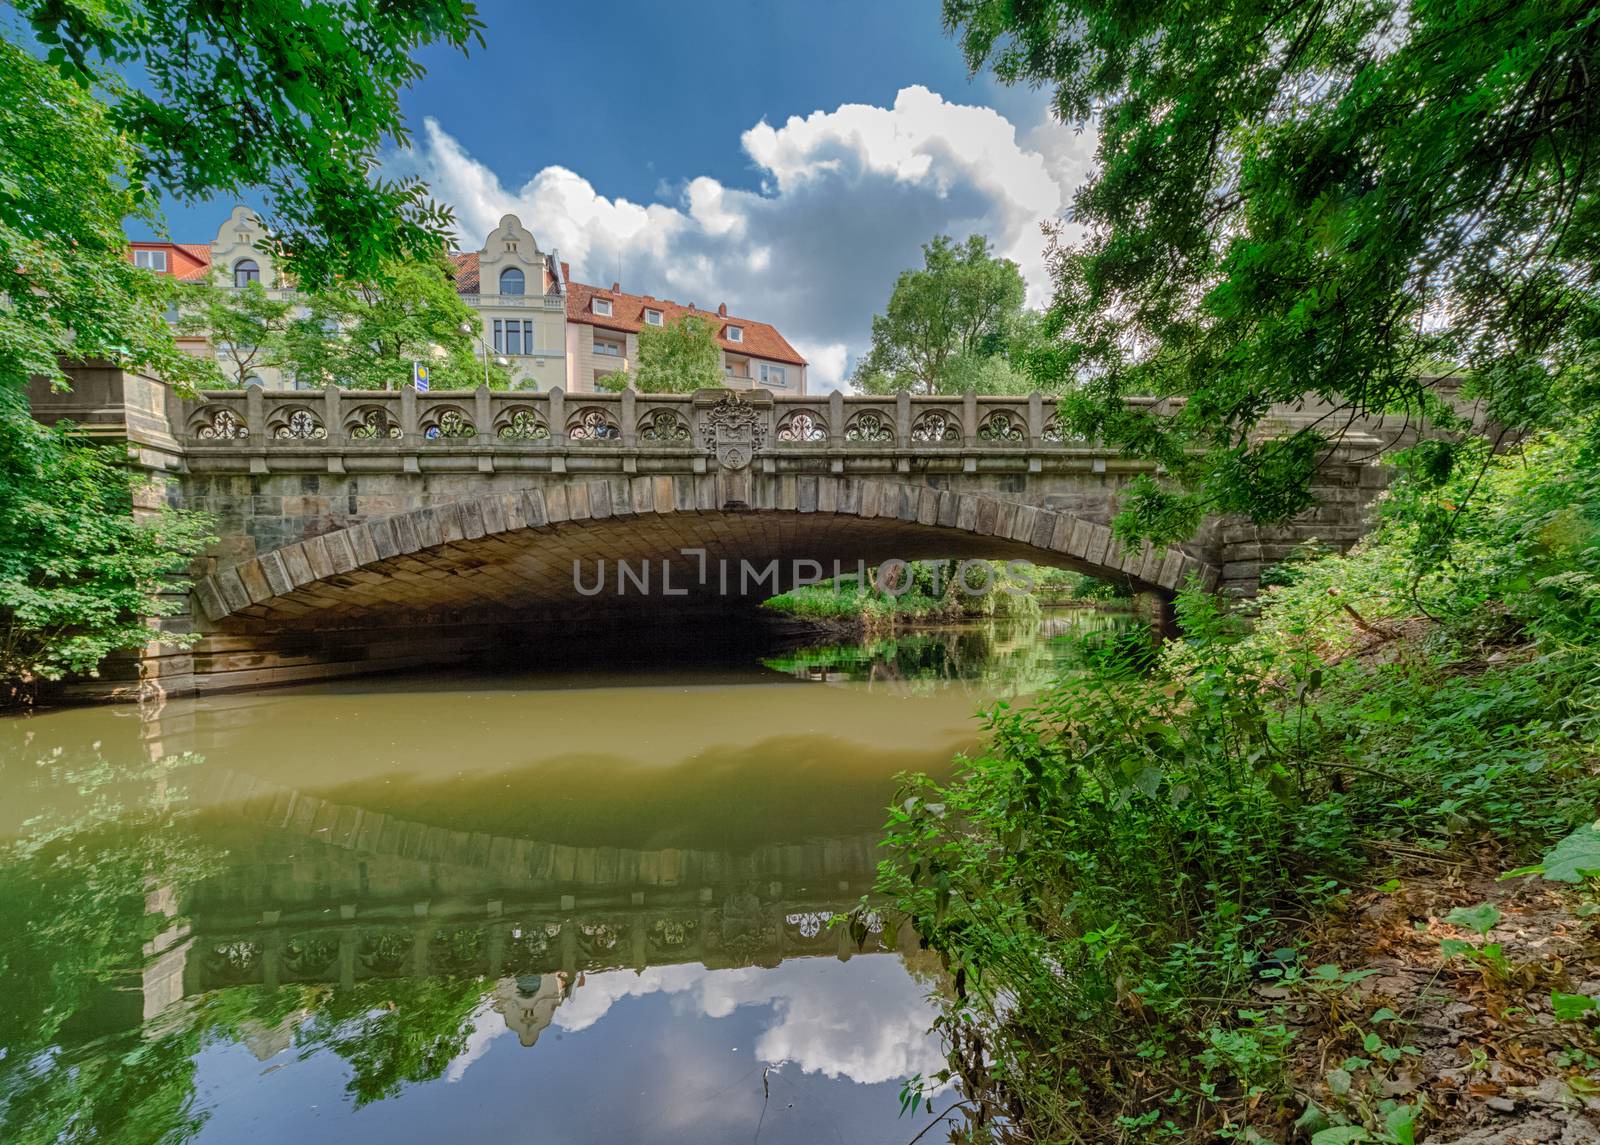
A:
(499, 360)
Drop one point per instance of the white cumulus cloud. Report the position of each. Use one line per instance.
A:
(846, 199)
(828, 1017)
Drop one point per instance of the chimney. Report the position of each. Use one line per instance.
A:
(616, 288)
(691, 306)
(722, 310)
(566, 272)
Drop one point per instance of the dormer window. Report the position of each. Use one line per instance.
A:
(511, 281)
(150, 259)
(653, 317)
(736, 333)
(602, 307)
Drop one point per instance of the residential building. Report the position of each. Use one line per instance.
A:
(549, 330)
(513, 286)
(186, 262)
(603, 337)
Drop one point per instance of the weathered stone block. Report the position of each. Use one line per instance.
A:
(277, 578)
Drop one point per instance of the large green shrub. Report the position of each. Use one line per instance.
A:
(1135, 847)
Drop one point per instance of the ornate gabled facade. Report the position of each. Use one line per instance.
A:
(513, 286)
(239, 253)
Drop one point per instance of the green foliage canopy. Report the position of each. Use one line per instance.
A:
(294, 97)
(77, 571)
(957, 309)
(1325, 198)
(678, 358)
(261, 94)
(247, 327)
(66, 285)
(365, 335)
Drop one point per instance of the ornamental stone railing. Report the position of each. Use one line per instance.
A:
(309, 429)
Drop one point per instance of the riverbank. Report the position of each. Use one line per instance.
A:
(1252, 894)
(932, 594)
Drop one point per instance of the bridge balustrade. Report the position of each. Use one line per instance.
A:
(333, 420)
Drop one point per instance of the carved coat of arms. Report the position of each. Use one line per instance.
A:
(733, 429)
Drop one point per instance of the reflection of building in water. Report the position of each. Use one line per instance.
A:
(528, 1002)
(266, 1042)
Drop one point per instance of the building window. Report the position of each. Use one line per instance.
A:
(511, 281)
(736, 333)
(612, 349)
(246, 271)
(653, 317)
(602, 307)
(513, 336)
(150, 259)
(774, 375)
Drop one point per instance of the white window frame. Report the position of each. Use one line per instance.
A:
(774, 375)
(736, 334)
(652, 317)
(602, 306)
(507, 330)
(151, 259)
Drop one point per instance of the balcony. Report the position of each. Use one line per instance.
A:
(555, 302)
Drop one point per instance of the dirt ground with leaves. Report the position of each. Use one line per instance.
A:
(1461, 1015)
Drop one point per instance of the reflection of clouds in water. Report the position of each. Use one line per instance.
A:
(487, 1025)
(866, 1020)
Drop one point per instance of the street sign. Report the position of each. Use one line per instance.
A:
(419, 377)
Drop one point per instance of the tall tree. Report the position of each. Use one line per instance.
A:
(246, 326)
(678, 358)
(959, 304)
(77, 572)
(67, 287)
(1326, 198)
(366, 335)
(294, 99)
(297, 97)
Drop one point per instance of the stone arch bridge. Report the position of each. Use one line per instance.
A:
(361, 530)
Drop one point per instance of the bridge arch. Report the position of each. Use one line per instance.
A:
(515, 551)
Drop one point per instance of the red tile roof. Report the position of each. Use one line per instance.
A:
(627, 314)
(179, 268)
(466, 264)
(202, 252)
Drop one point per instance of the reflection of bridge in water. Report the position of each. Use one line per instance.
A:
(331, 893)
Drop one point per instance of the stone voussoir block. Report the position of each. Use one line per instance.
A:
(297, 564)
(318, 556)
(277, 577)
(493, 515)
(406, 538)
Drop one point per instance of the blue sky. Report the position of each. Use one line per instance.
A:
(786, 159)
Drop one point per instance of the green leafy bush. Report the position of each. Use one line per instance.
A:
(1135, 848)
(80, 576)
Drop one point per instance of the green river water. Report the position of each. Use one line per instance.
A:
(546, 907)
